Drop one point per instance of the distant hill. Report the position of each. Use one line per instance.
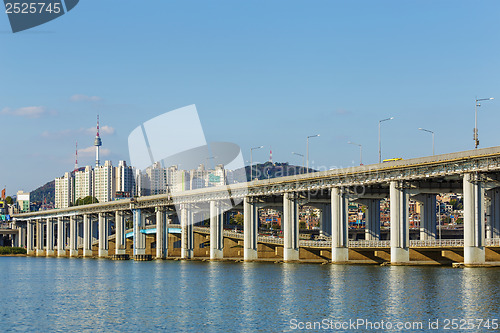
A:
(46, 191)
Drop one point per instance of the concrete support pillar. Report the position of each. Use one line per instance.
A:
(50, 238)
(340, 227)
(94, 222)
(79, 239)
(21, 236)
(139, 237)
(493, 216)
(290, 227)
(427, 216)
(216, 231)
(61, 237)
(326, 220)
(87, 235)
(186, 232)
(372, 218)
(40, 237)
(15, 239)
(250, 229)
(400, 228)
(474, 252)
(103, 235)
(161, 233)
(120, 240)
(30, 238)
(73, 234)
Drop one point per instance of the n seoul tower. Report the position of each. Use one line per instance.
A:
(97, 144)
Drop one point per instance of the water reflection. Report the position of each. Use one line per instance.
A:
(60, 294)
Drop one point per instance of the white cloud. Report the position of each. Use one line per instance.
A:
(28, 111)
(90, 151)
(85, 98)
(102, 130)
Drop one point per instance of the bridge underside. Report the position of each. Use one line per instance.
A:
(267, 251)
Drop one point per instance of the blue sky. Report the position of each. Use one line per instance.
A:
(260, 73)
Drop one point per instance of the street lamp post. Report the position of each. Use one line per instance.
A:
(360, 151)
(307, 151)
(302, 159)
(476, 138)
(210, 158)
(379, 143)
(428, 131)
(251, 161)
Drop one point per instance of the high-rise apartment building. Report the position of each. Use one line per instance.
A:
(156, 177)
(198, 178)
(84, 181)
(104, 182)
(125, 180)
(64, 191)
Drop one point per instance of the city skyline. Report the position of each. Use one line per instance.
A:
(253, 85)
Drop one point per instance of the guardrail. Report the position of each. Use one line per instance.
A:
(437, 243)
(311, 243)
(492, 242)
(356, 244)
(370, 243)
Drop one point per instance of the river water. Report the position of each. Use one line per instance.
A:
(64, 294)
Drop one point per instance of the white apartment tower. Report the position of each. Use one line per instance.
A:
(64, 191)
(217, 177)
(84, 183)
(104, 182)
(125, 180)
(156, 176)
(198, 177)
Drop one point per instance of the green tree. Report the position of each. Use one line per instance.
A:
(9, 200)
(237, 219)
(86, 201)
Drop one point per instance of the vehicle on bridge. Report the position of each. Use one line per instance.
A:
(392, 159)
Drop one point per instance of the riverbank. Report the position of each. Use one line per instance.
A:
(12, 251)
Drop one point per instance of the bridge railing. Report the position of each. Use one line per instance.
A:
(437, 243)
(233, 234)
(370, 243)
(311, 243)
(357, 244)
(492, 242)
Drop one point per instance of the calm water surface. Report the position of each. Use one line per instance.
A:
(61, 294)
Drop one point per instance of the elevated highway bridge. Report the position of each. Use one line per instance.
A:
(474, 174)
